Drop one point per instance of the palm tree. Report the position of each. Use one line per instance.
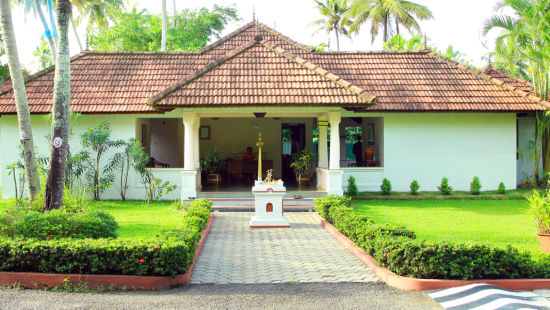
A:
(398, 43)
(526, 36)
(334, 12)
(43, 56)
(383, 13)
(36, 6)
(164, 27)
(60, 112)
(98, 12)
(21, 101)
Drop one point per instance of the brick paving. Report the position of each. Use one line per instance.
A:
(234, 253)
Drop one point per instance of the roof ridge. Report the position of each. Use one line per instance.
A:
(354, 89)
(509, 75)
(285, 38)
(527, 95)
(420, 52)
(97, 52)
(199, 72)
(38, 74)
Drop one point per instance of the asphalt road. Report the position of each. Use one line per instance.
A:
(228, 296)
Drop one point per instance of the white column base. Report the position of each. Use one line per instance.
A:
(189, 184)
(335, 182)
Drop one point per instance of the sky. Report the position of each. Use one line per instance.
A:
(455, 23)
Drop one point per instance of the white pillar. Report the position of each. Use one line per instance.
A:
(196, 141)
(189, 174)
(322, 145)
(188, 152)
(334, 121)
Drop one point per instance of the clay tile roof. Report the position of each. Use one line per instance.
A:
(505, 77)
(258, 74)
(256, 65)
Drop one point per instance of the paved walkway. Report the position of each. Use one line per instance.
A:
(234, 253)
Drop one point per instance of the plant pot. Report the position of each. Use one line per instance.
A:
(213, 179)
(303, 180)
(544, 240)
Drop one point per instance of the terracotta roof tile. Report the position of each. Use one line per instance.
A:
(278, 71)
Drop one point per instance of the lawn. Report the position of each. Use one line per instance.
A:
(497, 222)
(137, 220)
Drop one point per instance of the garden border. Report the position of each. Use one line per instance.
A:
(415, 284)
(38, 280)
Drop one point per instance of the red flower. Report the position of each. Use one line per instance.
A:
(141, 261)
(385, 254)
(410, 234)
(156, 247)
(141, 247)
(48, 238)
(28, 256)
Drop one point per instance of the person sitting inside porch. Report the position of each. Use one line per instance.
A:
(249, 155)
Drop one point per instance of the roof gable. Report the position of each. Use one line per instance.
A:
(258, 74)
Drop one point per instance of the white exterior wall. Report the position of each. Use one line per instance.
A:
(527, 128)
(123, 127)
(459, 146)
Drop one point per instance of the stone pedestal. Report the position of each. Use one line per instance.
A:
(269, 206)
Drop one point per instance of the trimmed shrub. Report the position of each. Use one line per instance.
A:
(352, 187)
(501, 188)
(323, 204)
(475, 186)
(445, 188)
(386, 187)
(414, 187)
(168, 254)
(397, 249)
(62, 224)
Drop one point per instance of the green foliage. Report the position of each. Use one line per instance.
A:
(414, 187)
(96, 142)
(539, 207)
(335, 18)
(123, 161)
(397, 249)
(140, 31)
(386, 187)
(352, 187)
(501, 188)
(302, 162)
(154, 187)
(398, 43)
(43, 55)
(63, 224)
(168, 254)
(212, 162)
(444, 188)
(323, 204)
(475, 186)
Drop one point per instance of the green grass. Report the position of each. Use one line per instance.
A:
(455, 195)
(137, 220)
(494, 222)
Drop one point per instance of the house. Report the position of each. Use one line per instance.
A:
(422, 116)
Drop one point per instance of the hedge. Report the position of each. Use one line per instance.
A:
(398, 250)
(168, 254)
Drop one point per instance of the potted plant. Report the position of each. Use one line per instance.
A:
(539, 207)
(212, 165)
(302, 163)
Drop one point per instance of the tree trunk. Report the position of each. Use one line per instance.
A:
(164, 27)
(76, 34)
(386, 28)
(60, 112)
(396, 26)
(175, 13)
(337, 40)
(21, 101)
(46, 29)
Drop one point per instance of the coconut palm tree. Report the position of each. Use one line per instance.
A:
(527, 31)
(334, 12)
(98, 12)
(43, 56)
(36, 7)
(384, 13)
(21, 102)
(398, 43)
(164, 27)
(60, 112)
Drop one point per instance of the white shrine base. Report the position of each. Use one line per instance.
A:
(268, 204)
